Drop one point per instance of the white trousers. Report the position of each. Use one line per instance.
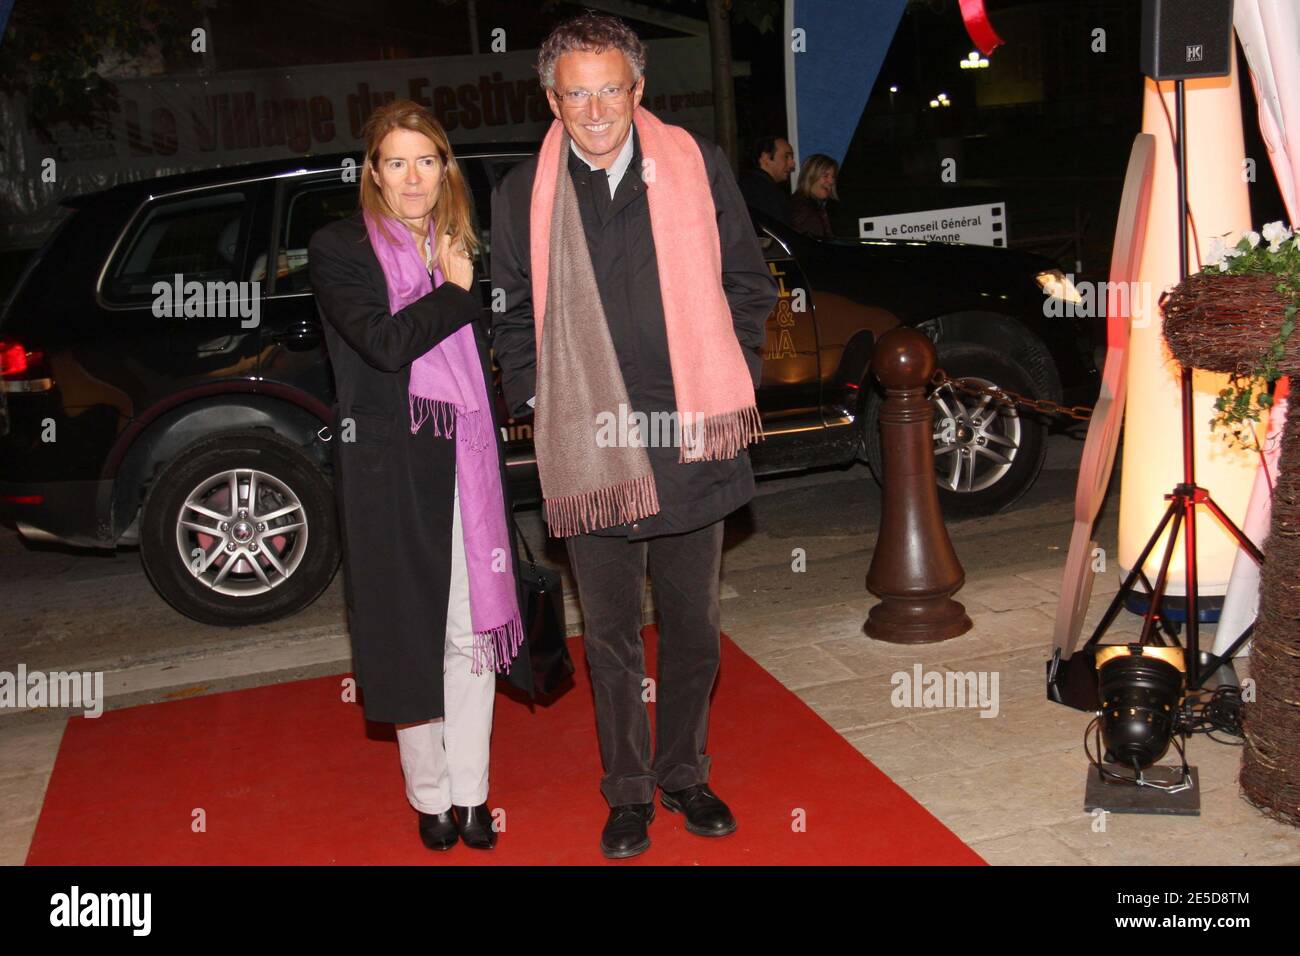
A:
(445, 761)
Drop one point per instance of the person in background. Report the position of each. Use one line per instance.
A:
(816, 187)
(766, 186)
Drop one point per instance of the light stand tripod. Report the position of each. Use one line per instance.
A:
(1181, 514)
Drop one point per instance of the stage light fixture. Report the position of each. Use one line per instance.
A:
(1141, 689)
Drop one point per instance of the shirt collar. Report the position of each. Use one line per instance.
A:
(621, 162)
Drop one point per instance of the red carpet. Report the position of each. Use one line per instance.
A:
(287, 774)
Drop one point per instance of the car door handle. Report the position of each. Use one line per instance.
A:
(299, 336)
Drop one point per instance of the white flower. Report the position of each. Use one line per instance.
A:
(1276, 234)
(1253, 238)
(1215, 256)
(1221, 251)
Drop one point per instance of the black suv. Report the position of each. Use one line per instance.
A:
(203, 438)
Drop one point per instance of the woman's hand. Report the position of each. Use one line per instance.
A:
(456, 263)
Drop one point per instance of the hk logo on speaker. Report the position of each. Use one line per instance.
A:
(1195, 52)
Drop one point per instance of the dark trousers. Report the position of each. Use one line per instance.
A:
(684, 570)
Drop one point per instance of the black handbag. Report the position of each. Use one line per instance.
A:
(542, 598)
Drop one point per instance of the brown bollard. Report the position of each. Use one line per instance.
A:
(914, 570)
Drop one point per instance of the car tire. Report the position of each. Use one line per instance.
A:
(997, 486)
(203, 565)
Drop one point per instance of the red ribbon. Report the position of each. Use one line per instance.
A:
(978, 26)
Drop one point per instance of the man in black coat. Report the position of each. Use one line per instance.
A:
(766, 187)
(682, 542)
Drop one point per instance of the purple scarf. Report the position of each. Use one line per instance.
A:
(447, 386)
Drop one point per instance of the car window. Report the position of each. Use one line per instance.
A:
(310, 205)
(480, 191)
(307, 207)
(199, 237)
(772, 247)
(482, 175)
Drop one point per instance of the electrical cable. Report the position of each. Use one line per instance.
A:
(1207, 712)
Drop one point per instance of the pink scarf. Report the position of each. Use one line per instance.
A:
(447, 386)
(584, 484)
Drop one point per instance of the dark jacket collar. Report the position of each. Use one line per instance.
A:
(629, 187)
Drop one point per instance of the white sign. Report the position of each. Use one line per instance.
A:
(978, 225)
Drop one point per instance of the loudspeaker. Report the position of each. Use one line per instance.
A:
(1182, 39)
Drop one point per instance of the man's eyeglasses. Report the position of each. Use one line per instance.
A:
(577, 98)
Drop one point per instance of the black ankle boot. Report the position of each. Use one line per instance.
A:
(475, 826)
(438, 830)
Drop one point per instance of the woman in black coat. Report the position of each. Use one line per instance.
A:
(815, 189)
(406, 581)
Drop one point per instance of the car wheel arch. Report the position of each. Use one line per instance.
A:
(984, 363)
(1007, 334)
(197, 420)
(994, 329)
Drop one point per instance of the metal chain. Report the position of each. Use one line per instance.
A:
(1005, 396)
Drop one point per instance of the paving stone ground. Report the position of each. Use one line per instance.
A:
(1011, 785)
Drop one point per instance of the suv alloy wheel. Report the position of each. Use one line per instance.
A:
(239, 529)
(986, 454)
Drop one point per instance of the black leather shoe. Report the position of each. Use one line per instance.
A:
(706, 815)
(438, 831)
(475, 826)
(625, 831)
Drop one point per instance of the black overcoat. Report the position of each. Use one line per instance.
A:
(394, 489)
(624, 260)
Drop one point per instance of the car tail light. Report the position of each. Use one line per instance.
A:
(23, 369)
